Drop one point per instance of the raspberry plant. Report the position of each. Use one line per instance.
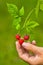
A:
(17, 15)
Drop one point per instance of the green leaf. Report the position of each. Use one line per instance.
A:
(37, 9)
(21, 12)
(32, 24)
(16, 21)
(18, 27)
(41, 6)
(12, 9)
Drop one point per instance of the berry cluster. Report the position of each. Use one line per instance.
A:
(26, 37)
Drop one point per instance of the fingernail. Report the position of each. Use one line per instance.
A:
(16, 42)
(24, 44)
(34, 41)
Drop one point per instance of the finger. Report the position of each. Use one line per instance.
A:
(25, 57)
(34, 42)
(19, 48)
(21, 51)
(30, 47)
(33, 60)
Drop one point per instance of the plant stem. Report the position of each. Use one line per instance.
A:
(28, 17)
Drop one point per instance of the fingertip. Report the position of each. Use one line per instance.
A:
(25, 45)
(33, 42)
(16, 43)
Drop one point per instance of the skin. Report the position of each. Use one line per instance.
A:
(34, 58)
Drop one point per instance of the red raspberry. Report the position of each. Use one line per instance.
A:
(17, 36)
(21, 41)
(26, 37)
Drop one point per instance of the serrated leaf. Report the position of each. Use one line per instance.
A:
(16, 21)
(18, 26)
(29, 31)
(12, 9)
(41, 6)
(32, 24)
(21, 12)
(37, 9)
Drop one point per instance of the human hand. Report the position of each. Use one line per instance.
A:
(33, 59)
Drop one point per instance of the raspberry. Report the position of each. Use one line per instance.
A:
(21, 41)
(26, 37)
(17, 36)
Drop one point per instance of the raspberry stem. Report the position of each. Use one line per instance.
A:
(28, 17)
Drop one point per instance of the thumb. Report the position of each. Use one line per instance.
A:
(30, 47)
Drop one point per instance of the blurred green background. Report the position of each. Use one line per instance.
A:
(8, 53)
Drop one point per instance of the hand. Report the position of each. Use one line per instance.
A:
(24, 53)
